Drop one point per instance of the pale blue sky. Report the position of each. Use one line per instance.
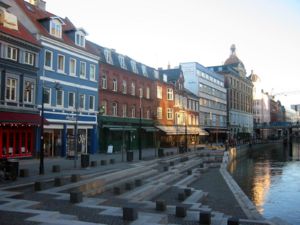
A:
(157, 32)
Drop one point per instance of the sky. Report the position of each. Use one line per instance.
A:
(161, 32)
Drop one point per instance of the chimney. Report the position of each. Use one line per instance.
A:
(169, 65)
(41, 4)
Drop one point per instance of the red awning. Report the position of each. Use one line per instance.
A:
(8, 118)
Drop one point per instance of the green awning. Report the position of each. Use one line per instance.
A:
(150, 129)
(119, 128)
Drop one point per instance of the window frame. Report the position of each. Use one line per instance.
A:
(92, 97)
(80, 39)
(29, 58)
(62, 98)
(12, 53)
(132, 89)
(104, 81)
(159, 92)
(51, 60)
(148, 92)
(124, 87)
(30, 93)
(159, 113)
(47, 91)
(71, 67)
(170, 114)
(114, 107)
(74, 104)
(93, 75)
(60, 63)
(81, 106)
(11, 89)
(124, 110)
(55, 28)
(170, 94)
(82, 68)
(114, 85)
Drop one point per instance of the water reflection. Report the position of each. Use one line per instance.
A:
(271, 179)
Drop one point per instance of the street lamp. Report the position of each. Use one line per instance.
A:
(140, 129)
(185, 132)
(41, 168)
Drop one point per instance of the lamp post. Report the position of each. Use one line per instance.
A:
(76, 129)
(41, 168)
(185, 133)
(140, 130)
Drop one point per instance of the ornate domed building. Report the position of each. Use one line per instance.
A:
(239, 96)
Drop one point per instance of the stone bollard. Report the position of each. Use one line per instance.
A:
(38, 186)
(24, 172)
(172, 153)
(172, 163)
(55, 168)
(75, 178)
(160, 205)
(128, 186)
(112, 161)
(130, 213)
(180, 211)
(233, 221)
(205, 218)
(117, 190)
(103, 162)
(93, 163)
(166, 168)
(187, 191)
(58, 181)
(189, 172)
(75, 196)
(138, 182)
(181, 197)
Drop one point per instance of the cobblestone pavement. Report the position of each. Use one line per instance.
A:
(140, 184)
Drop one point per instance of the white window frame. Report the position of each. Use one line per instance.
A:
(124, 87)
(148, 114)
(72, 73)
(12, 53)
(82, 69)
(104, 107)
(71, 106)
(122, 62)
(148, 93)
(62, 98)
(159, 113)
(108, 57)
(55, 28)
(104, 81)
(144, 70)
(159, 92)
(124, 110)
(133, 66)
(91, 100)
(132, 89)
(83, 103)
(47, 90)
(51, 60)
(170, 94)
(60, 64)
(170, 114)
(133, 111)
(115, 85)
(29, 92)
(92, 72)
(141, 92)
(80, 39)
(114, 107)
(29, 58)
(11, 89)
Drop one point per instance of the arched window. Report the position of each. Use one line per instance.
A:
(115, 85)
(115, 109)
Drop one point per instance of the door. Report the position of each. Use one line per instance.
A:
(48, 143)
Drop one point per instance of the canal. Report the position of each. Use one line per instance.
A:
(270, 177)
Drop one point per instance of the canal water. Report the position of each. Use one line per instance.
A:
(270, 177)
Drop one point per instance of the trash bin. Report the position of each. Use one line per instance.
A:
(12, 169)
(129, 156)
(85, 160)
(161, 152)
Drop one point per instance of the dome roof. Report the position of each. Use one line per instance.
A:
(254, 77)
(233, 59)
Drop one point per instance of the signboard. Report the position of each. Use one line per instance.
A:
(110, 149)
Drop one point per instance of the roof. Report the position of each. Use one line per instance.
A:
(173, 74)
(36, 15)
(233, 59)
(22, 33)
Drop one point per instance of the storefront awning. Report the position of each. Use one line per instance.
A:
(150, 129)
(180, 130)
(119, 128)
(9, 118)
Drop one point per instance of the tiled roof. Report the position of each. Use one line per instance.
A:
(22, 33)
(36, 15)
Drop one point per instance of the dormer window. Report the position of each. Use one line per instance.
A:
(122, 62)
(80, 39)
(144, 70)
(56, 27)
(108, 57)
(133, 66)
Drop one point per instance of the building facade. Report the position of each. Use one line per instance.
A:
(19, 116)
(67, 81)
(209, 87)
(239, 97)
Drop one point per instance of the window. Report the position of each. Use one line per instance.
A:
(92, 102)
(104, 81)
(115, 85)
(141, 92)
(144, 70)
(148, 93)
(133, 89)
(28, 91)
(170, 114)
(12, 53)
(11, 89)
(59, 98)
(148, 114)
(80, 39)
(124, 110)
(61, 63)
(124, 87)
(156, 74)
(55, 28)
(159, 113)
(104, 107)
(82, 72)
(48, 59)
(133, 66)
(115, 109)
(29, 58)
(72, 67)
(133, 112)
(159, 92)
(108, 57)
(47, 96)
(71, 100)
(170, 94)
(122, 62)
(92, 72)
(81, 101)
